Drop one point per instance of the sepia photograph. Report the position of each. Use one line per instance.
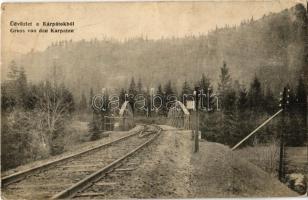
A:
(154, 99)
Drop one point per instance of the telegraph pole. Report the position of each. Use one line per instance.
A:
(284, 102)
(196, 136)
(305, 71)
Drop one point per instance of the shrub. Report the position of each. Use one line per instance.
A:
(265, 156)
(22, 139)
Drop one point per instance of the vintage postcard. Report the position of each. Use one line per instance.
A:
(177, 99)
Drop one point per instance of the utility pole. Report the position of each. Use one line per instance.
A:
(305, 69)
(284, 102)
(196, 135)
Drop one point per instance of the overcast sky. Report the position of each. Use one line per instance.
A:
(125, 20)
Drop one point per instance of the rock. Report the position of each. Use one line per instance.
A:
(297, 182)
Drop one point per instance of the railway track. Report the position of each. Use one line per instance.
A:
(66, 177)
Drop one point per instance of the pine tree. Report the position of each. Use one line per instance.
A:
(11, 86)
(22, 79)
(139, 86)
(225, 85)
(32, 98)
(205, 86)
(242, 102)
(159, 101)
(204, 83)
(168, 93)
(13, 71)
(186, 90)
(122, 96)
(241, 116)
(17, 87)
(159, 90)
(270, 103)
(225, 80)
(22, 88)
(255, 104)
(255, 95)
(168, 88)
(147, 102)
(67, 98)
(228, 101)
(8, 102)
(132, 87)
(132, 93)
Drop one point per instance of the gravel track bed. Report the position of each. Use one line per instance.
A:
(120, 183)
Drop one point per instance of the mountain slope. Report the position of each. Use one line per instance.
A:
(271, 47)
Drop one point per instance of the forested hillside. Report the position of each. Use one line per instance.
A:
(271, 48)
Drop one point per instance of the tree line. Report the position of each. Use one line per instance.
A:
(242, 108)
(33, 117)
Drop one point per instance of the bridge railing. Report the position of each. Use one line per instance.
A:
(123, 120)
(179, 116)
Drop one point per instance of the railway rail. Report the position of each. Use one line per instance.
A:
(66, 177)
